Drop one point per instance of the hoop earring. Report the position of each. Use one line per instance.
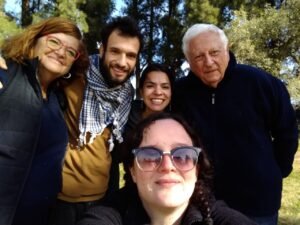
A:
(67, 76)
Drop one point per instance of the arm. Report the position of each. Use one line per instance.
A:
(101, 215)
(2, 63)
(284, 129)
(2, 74)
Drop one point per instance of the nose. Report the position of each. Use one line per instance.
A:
(157, 90)
(61, 51)
(122, 60)
(208, 60)
(166, 163)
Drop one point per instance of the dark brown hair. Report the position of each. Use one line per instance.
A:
(202, 197)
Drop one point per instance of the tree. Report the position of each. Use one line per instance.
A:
(219, 12)
(70, 9)
(7, 25)
(267, 39)
(172, 30)
(98, 12)
(201, 12)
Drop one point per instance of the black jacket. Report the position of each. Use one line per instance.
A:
(20, 121)
(125, 208)
(249, 129)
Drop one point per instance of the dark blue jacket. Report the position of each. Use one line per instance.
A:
(20, 123)
(249, 129)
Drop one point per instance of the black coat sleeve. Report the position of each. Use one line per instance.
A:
(223, 215)
(284, 129)
(101, 215)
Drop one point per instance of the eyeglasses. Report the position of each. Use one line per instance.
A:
(184, 158)
(56, 44)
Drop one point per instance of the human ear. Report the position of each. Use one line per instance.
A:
(132, 172)
(101, 50)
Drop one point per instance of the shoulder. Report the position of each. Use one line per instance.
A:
(6, 75)
(222, 214)
(254, 73)
(257, 77)
(94, 59)
(101, 215)
(3, 79)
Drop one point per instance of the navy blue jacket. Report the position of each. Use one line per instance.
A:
(249, 129)
(20, 124)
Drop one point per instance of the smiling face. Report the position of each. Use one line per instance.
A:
(165, 187)
(119, 57)
(156, 92)
(208, 57)
(58, 62)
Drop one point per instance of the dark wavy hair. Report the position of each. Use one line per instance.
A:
(153, 67)
(202, 196)
(126, 26)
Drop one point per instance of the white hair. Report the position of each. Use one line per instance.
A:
(197, 29)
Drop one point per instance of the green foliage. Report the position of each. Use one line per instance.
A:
(161, 23)
(97, 11)
(266, 39)
(201, 12)
(7, 25)
(69, 9)
(90, 15)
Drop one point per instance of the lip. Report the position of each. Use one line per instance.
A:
(157, 101)
(211, 71)
(167, 182)
(55, 59)
(119, 72)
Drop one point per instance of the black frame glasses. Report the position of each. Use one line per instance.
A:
(184, 158)
(55, 43)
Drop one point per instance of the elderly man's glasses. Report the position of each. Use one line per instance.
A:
(184, 158)
(56, 44)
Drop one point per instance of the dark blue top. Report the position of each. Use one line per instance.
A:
(44, 180)
(249, 129)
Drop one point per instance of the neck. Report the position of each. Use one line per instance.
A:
(146, 113)
(45, 79)
(166, 216)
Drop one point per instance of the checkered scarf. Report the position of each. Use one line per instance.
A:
(103, 106)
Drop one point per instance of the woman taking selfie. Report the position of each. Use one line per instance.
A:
(169, 182)
(33, 134)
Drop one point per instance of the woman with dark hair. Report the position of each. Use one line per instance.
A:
(155, 88)
(169, 180)
(33, 133)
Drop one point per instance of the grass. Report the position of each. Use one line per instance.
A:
(289, 213)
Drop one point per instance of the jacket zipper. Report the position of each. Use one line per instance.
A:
(213, 100)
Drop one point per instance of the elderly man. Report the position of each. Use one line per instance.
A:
(245, 119)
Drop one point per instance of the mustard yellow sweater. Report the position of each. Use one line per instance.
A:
(86, 171)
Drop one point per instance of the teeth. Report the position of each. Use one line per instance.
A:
(156, 101)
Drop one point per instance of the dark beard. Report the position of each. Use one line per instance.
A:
(105, 73)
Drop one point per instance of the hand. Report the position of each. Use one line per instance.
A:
(3, 64)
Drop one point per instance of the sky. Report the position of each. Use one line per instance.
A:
(11, 5)
(119, 5)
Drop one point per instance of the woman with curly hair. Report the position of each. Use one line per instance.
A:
(168, 180)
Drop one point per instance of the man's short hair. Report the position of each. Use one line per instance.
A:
(127, 27)
(199, 28)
